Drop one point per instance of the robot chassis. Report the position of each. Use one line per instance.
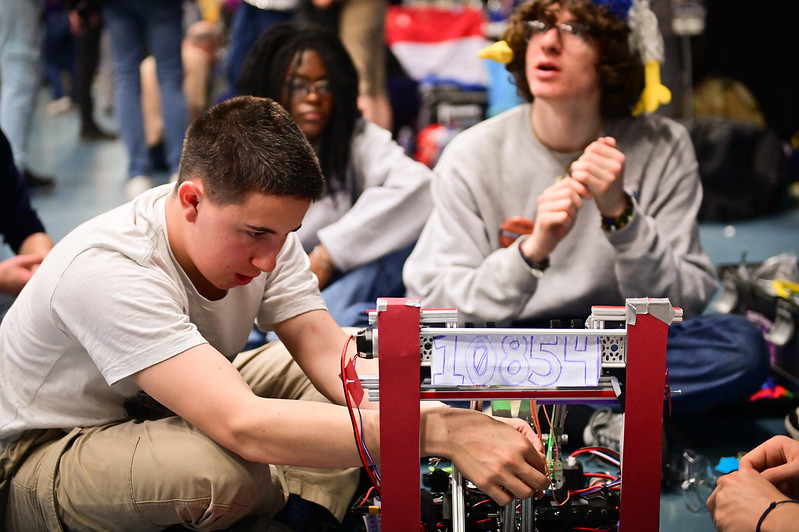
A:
(429, 358)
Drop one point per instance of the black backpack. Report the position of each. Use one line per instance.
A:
(743, 167)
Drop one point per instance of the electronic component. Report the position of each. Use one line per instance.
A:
(550, 366)
(595, 508)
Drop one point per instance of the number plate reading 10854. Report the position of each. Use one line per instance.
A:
(516, 360)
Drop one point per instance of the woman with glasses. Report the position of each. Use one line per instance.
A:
(376, 198)
(568, 201)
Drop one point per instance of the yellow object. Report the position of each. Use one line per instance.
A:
(655, 93)
(210, 10)
(784, 288)
(499, 52)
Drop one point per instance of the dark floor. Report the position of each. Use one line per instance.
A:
(91, 177)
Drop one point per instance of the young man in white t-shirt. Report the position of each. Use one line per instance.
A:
(145, 308)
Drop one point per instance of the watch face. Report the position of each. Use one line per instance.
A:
(543, 265)
(538, 268)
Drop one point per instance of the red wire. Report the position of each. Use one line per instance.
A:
(589, 449)
(356, 433)
(600, 475)
(366, 497)
(359, 443)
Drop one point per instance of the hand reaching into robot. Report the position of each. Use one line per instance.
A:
(501, 456)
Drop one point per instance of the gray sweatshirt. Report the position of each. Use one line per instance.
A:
(497, 169)
(381, 209)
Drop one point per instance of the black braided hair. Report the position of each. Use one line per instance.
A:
(273, 59)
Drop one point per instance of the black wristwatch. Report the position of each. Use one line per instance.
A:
(536, 268)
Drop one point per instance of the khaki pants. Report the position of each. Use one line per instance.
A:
(147, 476)
(361, 23)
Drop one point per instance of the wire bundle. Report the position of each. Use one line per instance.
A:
(357, 425)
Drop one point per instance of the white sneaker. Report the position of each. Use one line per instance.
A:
(137, 185)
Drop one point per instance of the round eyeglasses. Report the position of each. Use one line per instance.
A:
(301, 88)
(567, 31)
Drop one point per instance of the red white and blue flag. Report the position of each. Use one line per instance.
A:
(437, 45)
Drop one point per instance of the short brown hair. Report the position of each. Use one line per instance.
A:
(248, 144)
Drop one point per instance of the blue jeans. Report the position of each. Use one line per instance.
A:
(59, 53)
(711, 359)
(349, 296)
(248, 24)
(20, 69)
(158, 26)
(715, 359)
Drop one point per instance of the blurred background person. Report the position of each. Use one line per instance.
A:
(250, 19)
(138, 28)
(59, 56)
(21, 228)
(20, 76)
(361, 26)
(376, 197)
(86, 25)
(568, 201)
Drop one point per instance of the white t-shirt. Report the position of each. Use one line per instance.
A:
(110, 300)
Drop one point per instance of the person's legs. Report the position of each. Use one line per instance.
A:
(127, 45)
(248, 24)
(199, 51)
(59, 62)
(164, 31)
(52, 57)
(711, 360)
(715, 359)
(362, 33)
(88, 57)
(349, 296)
(151, 111)
(271, 372)
(87, 47)
(20, 56)
(242, 35)
(139, 477)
